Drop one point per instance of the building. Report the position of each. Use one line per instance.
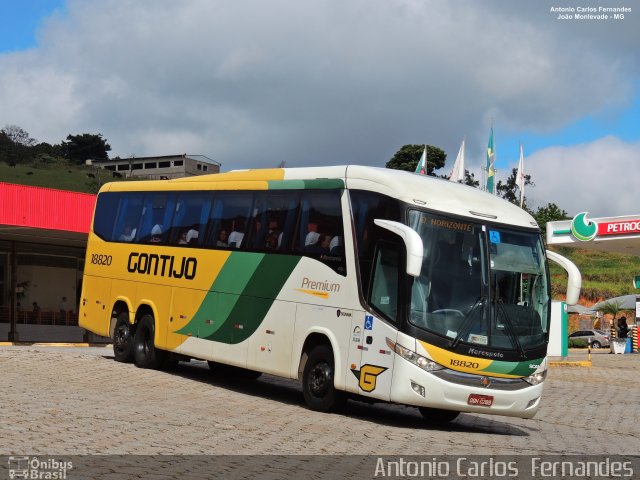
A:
(43, 236)
(164, 167)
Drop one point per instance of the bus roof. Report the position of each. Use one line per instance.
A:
(420, 190)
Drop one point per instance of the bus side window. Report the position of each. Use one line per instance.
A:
(384, 291)
(128, 218)
(321, 229)
(105, 217)
(190, 218)
(289, 215)
(230, 215)
(156, 219)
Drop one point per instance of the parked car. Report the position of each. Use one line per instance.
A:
(598, 338)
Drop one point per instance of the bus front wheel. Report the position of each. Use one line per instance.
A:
(318, 387)
(123, 339)
(145, 353)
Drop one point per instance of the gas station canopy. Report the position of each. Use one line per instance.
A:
(605, 234)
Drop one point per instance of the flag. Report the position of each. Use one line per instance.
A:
(421, 168)
(491, 167)
(520, 176)
(458, 167)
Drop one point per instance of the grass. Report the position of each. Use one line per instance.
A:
(604, 275)
(55, 173)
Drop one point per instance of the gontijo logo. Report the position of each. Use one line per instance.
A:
(367, 376)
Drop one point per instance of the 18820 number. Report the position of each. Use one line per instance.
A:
(464, 364)
(99, 259)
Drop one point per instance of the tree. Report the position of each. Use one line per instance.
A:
(79, 148)
(510, 191)
(549, 213)
(470, 179)
(610, 308)
(18, 135)
(408, 156)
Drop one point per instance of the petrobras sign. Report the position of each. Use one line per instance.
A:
(585, 229)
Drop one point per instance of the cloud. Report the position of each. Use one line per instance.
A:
(253, 83)
(598, 177)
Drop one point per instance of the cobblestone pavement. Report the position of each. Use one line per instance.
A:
(73, 401)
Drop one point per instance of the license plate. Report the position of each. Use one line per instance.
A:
(480, 400)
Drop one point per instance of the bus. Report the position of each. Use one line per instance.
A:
(356, 281)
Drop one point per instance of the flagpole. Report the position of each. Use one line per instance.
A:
(520, 176)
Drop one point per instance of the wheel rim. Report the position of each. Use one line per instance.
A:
(121, 338)
(320, 379)
(595, 345)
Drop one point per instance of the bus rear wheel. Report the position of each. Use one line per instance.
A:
(318, 386)
(123, 339)
(438, 415)
(145, 353)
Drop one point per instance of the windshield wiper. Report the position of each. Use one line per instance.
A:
(510, 329)
(468, 321)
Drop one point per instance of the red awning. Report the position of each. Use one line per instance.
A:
(47, 208)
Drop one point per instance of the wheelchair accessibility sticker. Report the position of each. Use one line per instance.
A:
(368, 322)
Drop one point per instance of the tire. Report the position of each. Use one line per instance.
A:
(438, 415)
(318, 386)
(230, 372)
(595, 344)
(123, 339)
(145, 353)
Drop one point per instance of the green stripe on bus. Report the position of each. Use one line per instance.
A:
(321, 183)
(257, 298)
(520, 369)
(237, 272)
(223, 294)
(240, 297)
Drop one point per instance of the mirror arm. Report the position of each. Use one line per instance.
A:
(412, 242)
(574, 282)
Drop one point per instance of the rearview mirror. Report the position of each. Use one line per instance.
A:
(412, 242)
(574, 283)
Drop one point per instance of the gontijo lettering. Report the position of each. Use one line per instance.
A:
(162, 265)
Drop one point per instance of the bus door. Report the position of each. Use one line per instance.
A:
(376, 369)
(376, 363)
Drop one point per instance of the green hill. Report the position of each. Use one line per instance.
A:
(604, 275)
(55, 173)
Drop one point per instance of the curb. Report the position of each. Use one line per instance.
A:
(579, 363)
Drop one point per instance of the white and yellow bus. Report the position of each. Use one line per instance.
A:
(354, 280)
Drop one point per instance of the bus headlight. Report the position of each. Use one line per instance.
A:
(413, 357)
(537, 378)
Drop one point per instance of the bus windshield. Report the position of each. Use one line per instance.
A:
(480, 285)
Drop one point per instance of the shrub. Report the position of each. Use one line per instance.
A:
(577, 343)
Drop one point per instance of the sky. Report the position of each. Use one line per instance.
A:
(251, 84)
